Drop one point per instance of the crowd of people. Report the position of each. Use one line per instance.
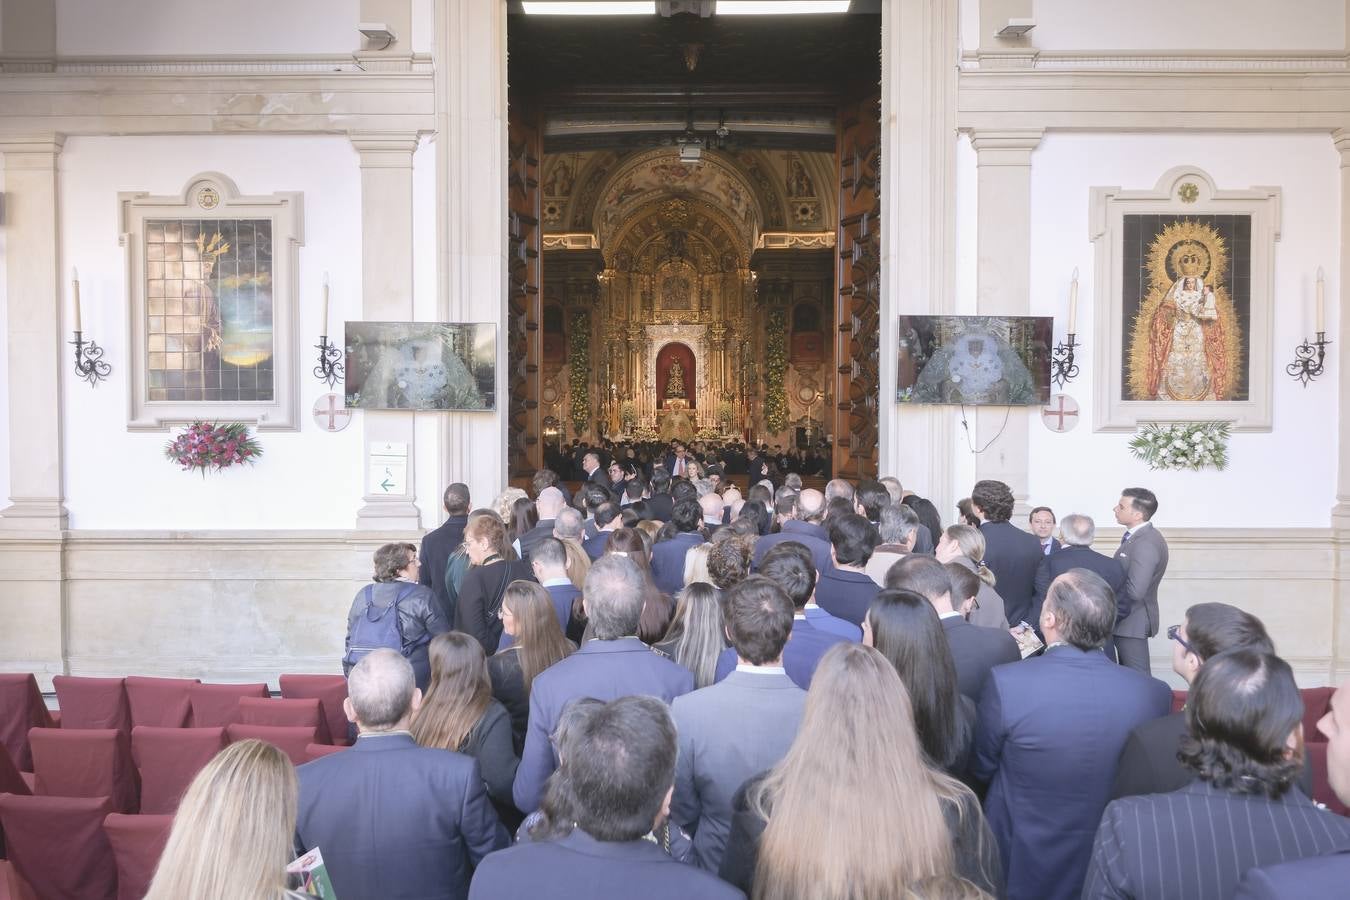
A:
(658, 686)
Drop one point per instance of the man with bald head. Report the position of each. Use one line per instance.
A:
(394, 819)
(805, 528)
(712, 507)
(548, 504)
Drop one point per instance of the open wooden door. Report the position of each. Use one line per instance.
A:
(524, 306)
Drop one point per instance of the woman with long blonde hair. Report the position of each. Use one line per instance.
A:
(459, 713)
(234, 832)
(855, 809)
(537, 642)
(965, 546)
(697, 634)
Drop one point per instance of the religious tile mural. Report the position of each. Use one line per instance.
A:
(1186, 305)
(209, 316)
(421, 365)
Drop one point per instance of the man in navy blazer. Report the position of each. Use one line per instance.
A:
(1042, 520)
(550, 570)
(803, 526)
(1079, 532)
(1318, 876)
(846, 590)
(668, 555)
(618, 775)
(1013, 555)
(1244, 809)
(438, 544)
(1048, 735)
(607, 521)
(395, 820)
(613, 664)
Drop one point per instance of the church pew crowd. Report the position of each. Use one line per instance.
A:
(657, 683)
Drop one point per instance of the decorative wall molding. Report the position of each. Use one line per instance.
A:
(584, 241)
(789, 240)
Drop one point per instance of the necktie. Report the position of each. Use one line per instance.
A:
(1123, 538)
(679, 466)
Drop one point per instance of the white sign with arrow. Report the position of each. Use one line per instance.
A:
(388, 469)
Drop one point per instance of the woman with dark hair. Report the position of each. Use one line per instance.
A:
(856, 809)
(697, 634)
(927, 513)
(906, 629)
(494, 567)
(537, 642)
(757, 511)
(458, 713)
(524, 516)
(963, 545)
(416, 616)
(657, 608)
(967, 512)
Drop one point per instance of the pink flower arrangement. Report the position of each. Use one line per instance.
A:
(213, 446)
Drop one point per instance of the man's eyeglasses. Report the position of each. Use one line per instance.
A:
(1174, 634)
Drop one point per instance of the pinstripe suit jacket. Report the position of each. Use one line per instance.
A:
(1198, 842)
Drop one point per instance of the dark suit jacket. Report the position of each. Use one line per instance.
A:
(563, 596)
(396, 820)
(530, 539)
(1073, 557)
(976, 651)
(668, 560)
(806, 645)
(604, 670)
(480, 598)
(600, 477)
(1149, 765)
(1013, 555)
(508, 688)
(846, 594)
(662, 506)
(1049, 731)
(1144, 558)
(437, 545)
(1198, 842)
(578, 867)
(1319, 876)
(802, 533)
(595, 546)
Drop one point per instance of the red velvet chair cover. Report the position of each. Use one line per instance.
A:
(137, 843)
(1315, 703)
(162, 702)
(92, 702)
(315, 751)
(1315, 755)
(168, 759)
(330, 690)
(12, 885)
(11, 782)
(217, 705)
(308, 713)
(92, 762)
(58, 846)
(21, 708)
(289, 740)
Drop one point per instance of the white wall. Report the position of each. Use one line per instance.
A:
(188, 27)
(1213, 25)
(4, 349)
(118, 479)
(1283, 478)
(428, 426)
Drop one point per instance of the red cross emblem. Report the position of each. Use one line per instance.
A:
(1062, 413)
(330, 415)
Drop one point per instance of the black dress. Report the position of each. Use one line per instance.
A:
(508, 688)
(480, 599)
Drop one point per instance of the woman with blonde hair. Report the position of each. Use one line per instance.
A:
(696, 564)
(964, 545)
(234, 832)
(505, 504)
(697, 634)
(459, 713)
(537, 642)
(480, 595)
(855, 809)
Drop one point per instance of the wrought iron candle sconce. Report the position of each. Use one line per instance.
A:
(89, 363)
(1308, 359)
(330, 368)
(1062, 367)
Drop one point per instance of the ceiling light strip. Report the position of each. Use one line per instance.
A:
(589, 7)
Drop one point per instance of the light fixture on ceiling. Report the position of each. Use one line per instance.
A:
(1016, 28)
(780, 7)
(589, 7)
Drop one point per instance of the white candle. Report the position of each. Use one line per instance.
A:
(75, 295)
(1321, 303)
(1073, 302)
(323, 325)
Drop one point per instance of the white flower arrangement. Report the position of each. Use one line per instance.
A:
(1183, 445)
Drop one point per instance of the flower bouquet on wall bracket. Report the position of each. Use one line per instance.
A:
(1183, 445)
(212, 446)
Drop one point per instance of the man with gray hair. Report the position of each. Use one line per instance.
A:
(395, 819)
(899, 528)
(804, 527)
(838, 487)
(1078, 532)
(613, 664)
(548, 505)
(1049, 732)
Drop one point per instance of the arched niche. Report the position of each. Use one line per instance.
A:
(667, 358)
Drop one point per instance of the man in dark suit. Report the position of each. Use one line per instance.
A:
(395, 819)
(845, 589)
(548, 504)
(676, 460)
(607, 521)
(1318, 876)
(549, 563)
(789, 567)
(668, 555)
(437, 545)
(1010, 553)
(1148, 763)
(614, 664)
(1042, 521)
(1243, 810)
(802, 526)
(660, 502)
(1143, 555)
(595, 473)
(619, 775)
(740, 726)
(975, 650)
(1077, 553)
(1049, 731)
(755, 465)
